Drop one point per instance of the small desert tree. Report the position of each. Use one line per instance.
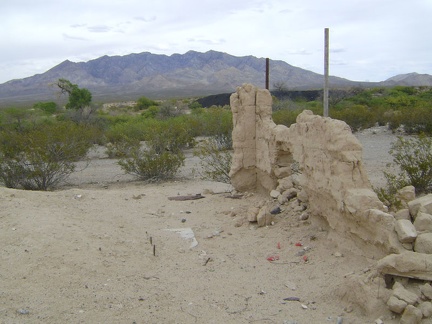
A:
(79, 99)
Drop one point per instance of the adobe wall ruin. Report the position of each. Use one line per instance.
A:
(320, 154)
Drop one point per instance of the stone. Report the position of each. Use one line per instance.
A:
(252, 214)
(303, 196)
(426, 290)
(274, 194)
(424, 203)
(396, 305)
(423, 222)
(411, 315)
(423, 243)
(400, 292)
(406, 194)
(426, 309)
(403, 214)
(407, 264)
(264, 218)
(406, 231)
(284, 184)
(287, 195)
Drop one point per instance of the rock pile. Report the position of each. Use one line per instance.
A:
(314, 169)
(411, 270)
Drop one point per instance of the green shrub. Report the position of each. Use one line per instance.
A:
(215, 160)
(285, 117)
(144, 103)
(357, 117)
(413, 157)
(150, 166)
(41, 158)
(48, 108)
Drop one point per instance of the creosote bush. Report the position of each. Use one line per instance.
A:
(413, 157)
(43, 157)
(215, 160)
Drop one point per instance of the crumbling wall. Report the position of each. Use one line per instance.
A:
(324, 157)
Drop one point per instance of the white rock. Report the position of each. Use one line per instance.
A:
(426, 308)
(406, 231)
(426, 290)
(274, 194)
(424, 202)
(396, 305)
(423, 222)
(411, 315)
(402, 293)
(403, 214)
(423, 243)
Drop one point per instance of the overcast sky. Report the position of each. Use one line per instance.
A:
(370, 40)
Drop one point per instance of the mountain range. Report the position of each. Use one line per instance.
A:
(131, 76)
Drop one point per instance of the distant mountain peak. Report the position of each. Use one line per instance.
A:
(131, 76)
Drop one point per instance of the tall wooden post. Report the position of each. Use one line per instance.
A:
(326, 72)
(267, 73)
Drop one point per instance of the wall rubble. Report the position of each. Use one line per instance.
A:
(326, 154)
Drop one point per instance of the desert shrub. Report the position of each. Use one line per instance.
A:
(48, 108)
(148, 165)
(285, 117)
(41, 158)
(144, 103)
(215, 160)
(161, 156)
(357, 117)
(413, 157)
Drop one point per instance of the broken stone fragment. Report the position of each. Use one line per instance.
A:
(406, 194)
(406, 231)
(411, 315)
(424, 203)
(396, 305)
(400, 292)
(426, 308)
(264, 217)
(423, 222)
(274, 194)
(426, 290)
(403, 214)
(407, 264)
(423, 243)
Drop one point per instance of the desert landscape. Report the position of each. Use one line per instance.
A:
(109, 249)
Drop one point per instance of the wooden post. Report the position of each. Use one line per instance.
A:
(326, 72)
(267, 73)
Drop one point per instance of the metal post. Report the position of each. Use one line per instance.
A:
(267, 73)
(326, 72)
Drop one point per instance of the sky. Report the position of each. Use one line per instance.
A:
(370, 40)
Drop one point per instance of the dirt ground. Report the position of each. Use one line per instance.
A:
(109, 249)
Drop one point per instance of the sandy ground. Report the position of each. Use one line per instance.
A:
(109, 249)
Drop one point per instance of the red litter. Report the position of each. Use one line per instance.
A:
(279, 245)
(305, 258)
(298, 244)
(273, 258)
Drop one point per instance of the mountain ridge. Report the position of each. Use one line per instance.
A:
(190, 74)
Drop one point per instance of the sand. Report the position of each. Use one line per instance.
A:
(108, 249)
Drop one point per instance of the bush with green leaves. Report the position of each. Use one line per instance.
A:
(43, 157)
(216, 160)
(145, 103)
(150, 166)
(413, 157)
(160, 157)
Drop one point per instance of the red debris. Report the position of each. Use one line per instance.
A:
(279, 245)
(305, 258)
(298, 244)
(273, 258)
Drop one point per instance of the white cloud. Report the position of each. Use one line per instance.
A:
(369, 39)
